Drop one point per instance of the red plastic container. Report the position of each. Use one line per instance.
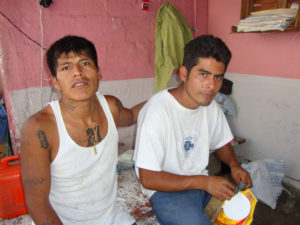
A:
(12, 200)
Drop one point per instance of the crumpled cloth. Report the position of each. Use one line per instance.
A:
(226, 104)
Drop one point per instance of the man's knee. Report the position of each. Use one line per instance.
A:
(182, 217)
(178, 209)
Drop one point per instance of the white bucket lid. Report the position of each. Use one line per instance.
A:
(237, 208)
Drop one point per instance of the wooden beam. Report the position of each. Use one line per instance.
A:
(282, 3)
(297, 22)
(246, 9)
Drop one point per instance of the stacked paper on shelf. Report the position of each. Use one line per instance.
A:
(274, 19)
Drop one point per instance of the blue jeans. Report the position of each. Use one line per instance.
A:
(181, 208)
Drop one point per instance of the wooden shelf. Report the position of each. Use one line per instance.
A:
(249, 6)
(238, 140)
(289, 29)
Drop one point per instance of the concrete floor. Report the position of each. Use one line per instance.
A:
(287, 210)
(130, 197)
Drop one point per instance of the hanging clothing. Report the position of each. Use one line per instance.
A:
(171, 35)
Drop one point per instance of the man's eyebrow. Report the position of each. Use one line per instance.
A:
(210, 73)
(204, 71)
(83, 58)
(64, 63)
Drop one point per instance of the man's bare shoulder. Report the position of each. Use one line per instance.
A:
(39, 135)
(110, 99)
(42, 119)
(113, 103)
(40, 128)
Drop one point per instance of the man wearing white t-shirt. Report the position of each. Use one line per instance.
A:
(177, 129)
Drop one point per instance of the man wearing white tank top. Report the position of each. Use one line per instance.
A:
(69, 148)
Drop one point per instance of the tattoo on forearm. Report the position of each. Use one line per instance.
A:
(118, 104)
(92, 136)
(43, 139)
(34, 182)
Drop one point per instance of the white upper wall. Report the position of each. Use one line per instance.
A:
(268, 117)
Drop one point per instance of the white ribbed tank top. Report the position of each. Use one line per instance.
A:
(84, 185)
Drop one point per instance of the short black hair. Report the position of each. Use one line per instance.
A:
(69, 44)
(205, 46)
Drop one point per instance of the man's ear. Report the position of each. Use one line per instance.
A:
(183, 73)
(55, 83)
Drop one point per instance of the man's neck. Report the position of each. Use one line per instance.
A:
(180, 94)
(82, 110)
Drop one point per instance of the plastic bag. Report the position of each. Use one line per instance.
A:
(266, 177)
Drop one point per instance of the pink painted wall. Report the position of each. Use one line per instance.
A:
(122, 32)
(266, 54)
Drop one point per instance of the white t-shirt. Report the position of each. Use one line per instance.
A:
(83, 184)
(176, 139)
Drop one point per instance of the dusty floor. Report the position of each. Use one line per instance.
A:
(287, 211)
(130, 197)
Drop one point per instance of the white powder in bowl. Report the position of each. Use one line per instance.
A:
(237, 208)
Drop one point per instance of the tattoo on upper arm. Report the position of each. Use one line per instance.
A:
(118, 104)
(43, 139)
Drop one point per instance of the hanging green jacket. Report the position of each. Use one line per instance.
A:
(171, 35)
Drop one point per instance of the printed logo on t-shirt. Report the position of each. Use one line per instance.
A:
(189, 145)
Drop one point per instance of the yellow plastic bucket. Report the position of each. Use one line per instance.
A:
(237, 211)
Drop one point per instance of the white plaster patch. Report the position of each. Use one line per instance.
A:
(130, 92)
(268, 117)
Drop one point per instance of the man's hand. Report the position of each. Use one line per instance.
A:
(219, 187)
(226, 154)
(239, 174)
